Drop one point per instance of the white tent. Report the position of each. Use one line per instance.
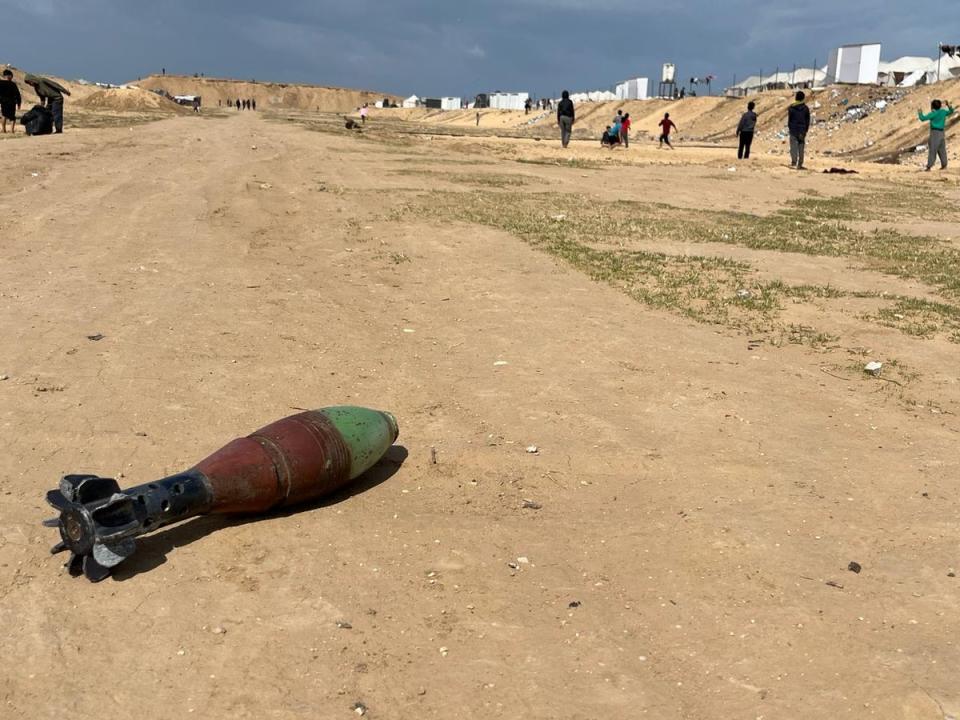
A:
(636, 89)
(507, 100)
(854, 64)
(450, 103)
(412, 102)
(896, 71)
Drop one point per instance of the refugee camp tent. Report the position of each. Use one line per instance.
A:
(896, 71)
(635, 89)
(854, 64)
(450, 103)
(412, 102)
(507, 100)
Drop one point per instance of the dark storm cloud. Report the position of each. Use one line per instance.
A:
(455, 48)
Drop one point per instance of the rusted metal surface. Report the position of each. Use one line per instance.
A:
(299, 458)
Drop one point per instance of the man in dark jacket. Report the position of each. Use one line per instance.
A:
(798, 124)
(745, 130)
(10, 100)
(51, 95)
(565, 118)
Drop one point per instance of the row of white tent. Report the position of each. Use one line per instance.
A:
(906, 71)
(495, 101)
(910, 71)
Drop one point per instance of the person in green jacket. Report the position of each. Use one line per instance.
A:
(938, 138)
(51, 94)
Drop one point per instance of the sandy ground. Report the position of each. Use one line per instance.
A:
(696, 492)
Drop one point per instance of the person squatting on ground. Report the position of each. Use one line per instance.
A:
(51, 95)
(10, 100)
(565, 118)
(938, 137)
(611, 136)
(666, 125)
(798, 124)
(745, 130)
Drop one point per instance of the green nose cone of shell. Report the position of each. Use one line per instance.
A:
(368, 433)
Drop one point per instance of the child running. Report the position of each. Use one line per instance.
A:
(665, 126)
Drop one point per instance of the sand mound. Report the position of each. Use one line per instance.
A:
(130, 99)
(267, 94)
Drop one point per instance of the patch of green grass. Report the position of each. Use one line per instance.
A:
(479, 179)
(579, 163)
(922, 318)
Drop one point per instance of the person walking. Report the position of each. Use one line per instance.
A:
(253, 104)
(565, 118)
(51, 95)
(798, 125)
(745, 130)
(364, 111)
(938, 138)
(10, 100)
(625, 130)
(666, 125)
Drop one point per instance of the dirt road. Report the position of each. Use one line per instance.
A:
(692, 509)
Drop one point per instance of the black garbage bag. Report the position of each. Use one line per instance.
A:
(37, 121)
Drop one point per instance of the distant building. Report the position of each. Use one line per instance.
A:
(412, 102)
(450, 103)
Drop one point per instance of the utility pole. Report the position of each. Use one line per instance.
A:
(939, 57)
(813, 80)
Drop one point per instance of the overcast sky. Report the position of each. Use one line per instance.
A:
(454, 47)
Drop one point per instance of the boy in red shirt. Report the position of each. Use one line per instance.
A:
(665, 126)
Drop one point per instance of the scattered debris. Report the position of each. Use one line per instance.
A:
(558, 218)
(522, 560)
(344, 625)
(359, 708)
(574, 604)
(265, 186)
(834, 584)
(744, 294)
(500, 363)
(513, 566)
(840, 171)
(4, 377)
(96, 338)
(533, 449)
(218, 630)
(444, 651)
(531, 505)
(433, 456)
(873, 368)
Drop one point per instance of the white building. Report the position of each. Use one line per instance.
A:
(412, 102)
(854, 64)
(450, 103)
(636, 89)
(507, 101)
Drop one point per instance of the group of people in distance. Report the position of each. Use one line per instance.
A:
(798, 125)
(243, 104)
